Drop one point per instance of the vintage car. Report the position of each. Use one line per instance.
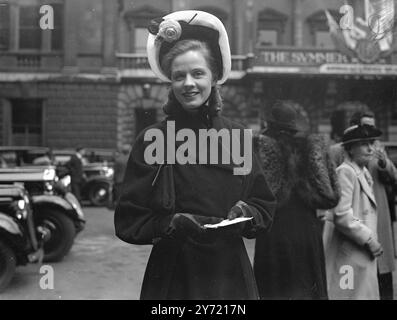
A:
(21, 242)
(17, 156)
(98, 171)
(97, 167)
(53, 206)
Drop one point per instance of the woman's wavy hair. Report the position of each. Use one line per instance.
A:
(214, 101)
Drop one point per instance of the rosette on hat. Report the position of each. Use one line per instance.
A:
(188, 24)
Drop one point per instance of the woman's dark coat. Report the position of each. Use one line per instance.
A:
(184, 268)
(289, 260)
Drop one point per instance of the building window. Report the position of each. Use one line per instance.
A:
(27, 121)
(137, 22)
(319, 29)
(271, 26)
(140, 39)
(267, 38)
(29, 27)
(323, 39)
(4, 25)
(28, 34)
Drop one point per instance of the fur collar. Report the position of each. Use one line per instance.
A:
(304, 169)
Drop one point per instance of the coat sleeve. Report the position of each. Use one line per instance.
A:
(260, 200)
(344, 216)
(135, 221)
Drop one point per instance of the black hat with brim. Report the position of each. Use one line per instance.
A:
(358, 133)
(283, 116)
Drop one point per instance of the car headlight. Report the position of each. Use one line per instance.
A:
(49, 186)
(109, 172)
(49, 174)
(22, 212)
(66, 181)
(21, 204)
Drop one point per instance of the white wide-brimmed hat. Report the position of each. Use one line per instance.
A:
(188, 24)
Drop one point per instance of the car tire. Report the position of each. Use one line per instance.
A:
(62, 233)
(94, 194)
(8, 264)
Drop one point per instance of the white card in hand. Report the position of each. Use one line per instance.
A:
(226, 222)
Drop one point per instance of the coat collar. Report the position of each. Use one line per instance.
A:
(360, 172)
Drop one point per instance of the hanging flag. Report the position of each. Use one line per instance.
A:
(380, 18)
(369, 37)
(337, 35)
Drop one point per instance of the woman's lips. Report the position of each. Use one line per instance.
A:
(189, 94)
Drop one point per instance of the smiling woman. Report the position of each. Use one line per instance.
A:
(168, 203)
(192, 79)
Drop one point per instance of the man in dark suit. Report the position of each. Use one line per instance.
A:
(120, 165)
(75, 166)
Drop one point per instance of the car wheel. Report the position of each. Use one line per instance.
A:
(99, 194)
(61, 233)
(7, 265)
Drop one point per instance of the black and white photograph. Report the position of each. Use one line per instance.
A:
(217, 151)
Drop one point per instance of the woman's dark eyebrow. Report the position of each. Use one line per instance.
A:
(199, 69)
(177, 72)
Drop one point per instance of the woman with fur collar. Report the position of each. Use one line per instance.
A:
(289, 260)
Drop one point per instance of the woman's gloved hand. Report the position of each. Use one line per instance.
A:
(374, 247)
(191, 225)
(240, 209)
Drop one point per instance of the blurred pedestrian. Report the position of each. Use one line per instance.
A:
(169, 204)
(120, 165)
(350, 231)
(75, 169)
(289, 259)
(384, 176)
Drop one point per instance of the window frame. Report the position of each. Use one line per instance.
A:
(270, 19)
(139, 18)
(318, 22)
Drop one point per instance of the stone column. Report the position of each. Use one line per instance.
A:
(250, 34)
(297, 23)
(14, 26)
(71, 30)
(110, 19)
(238, 27)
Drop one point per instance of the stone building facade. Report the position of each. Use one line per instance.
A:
(87, 81)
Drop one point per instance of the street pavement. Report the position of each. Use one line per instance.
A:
(99, 266)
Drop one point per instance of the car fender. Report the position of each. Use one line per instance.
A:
(53, 199)
(68, 204)
(9, 225)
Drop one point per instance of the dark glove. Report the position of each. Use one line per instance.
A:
(240, 209)
(190, 225)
